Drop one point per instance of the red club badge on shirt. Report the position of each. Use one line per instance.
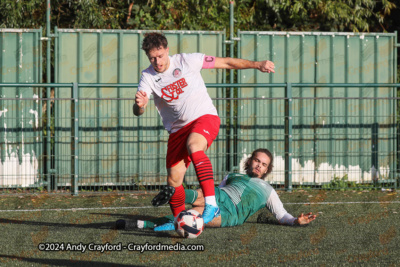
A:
(177, 72)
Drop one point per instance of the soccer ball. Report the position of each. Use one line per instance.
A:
(189, 224)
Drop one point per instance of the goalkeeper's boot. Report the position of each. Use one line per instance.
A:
(169, 226)
(164, 196)
(210, 212)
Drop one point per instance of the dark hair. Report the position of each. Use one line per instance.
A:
(154, 40)
(266, 152)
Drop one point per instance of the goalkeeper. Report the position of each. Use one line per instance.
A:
(239, 196)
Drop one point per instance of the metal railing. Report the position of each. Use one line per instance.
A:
(375, 134)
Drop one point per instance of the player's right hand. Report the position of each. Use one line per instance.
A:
(306, 218)
(141, 99)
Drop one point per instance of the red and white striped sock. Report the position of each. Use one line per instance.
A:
(205, 175)
(177, 201)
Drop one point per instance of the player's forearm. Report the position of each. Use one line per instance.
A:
(288, 219)
(137, 110)
(236, 63)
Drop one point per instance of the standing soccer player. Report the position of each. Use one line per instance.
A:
(188, 115)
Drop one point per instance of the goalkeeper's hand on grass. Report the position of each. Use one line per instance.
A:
(303, 219)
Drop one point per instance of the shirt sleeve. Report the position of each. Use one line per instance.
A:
(275, 206)
(144, 86)
(194, 60)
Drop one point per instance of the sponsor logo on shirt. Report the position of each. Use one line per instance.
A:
(172, 91)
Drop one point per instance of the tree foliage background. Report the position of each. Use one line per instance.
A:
(280, 15)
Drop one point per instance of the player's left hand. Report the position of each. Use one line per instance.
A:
(267, 66)
(305, 218)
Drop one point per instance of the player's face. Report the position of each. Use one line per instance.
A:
(259, 165)
(159, 58)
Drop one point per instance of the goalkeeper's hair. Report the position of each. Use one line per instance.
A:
(266, 152)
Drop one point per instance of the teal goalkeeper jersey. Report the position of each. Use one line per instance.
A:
(246, 196)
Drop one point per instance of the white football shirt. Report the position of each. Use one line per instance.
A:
(179, 93)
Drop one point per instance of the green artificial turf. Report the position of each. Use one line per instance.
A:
(343, 234)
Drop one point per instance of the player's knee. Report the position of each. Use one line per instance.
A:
(174, 182)
(175, 178)
(196, 142)
(194, 147)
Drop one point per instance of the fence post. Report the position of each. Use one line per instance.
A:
(288, 137)
(375, 153)
(48, 169)
(397, 163)
(75, 140)
(232, 127)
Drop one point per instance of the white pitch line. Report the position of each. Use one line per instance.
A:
(336, 203)
(79, 209)
(147, 207)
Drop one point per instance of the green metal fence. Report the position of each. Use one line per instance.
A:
(113, 145)
(329, 113)
(333, 126)
(21, 135)
(374, 157)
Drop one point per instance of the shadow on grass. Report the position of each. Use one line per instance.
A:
(149, 233)
(104, 225)
(126, 216)
(265, 218)
(59, 262)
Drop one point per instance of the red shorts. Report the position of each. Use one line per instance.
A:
(207, 126)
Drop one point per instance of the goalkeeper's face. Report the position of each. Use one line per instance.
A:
(259, 165)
